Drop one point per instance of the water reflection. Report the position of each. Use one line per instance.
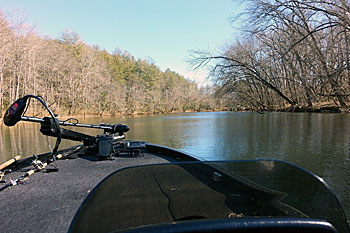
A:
(317, 142)
(24, 139)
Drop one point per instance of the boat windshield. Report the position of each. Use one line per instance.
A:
(166, 193)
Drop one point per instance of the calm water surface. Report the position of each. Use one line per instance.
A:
(318, 142)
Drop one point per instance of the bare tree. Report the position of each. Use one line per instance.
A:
(296, 51)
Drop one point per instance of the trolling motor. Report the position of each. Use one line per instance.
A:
(50, 126)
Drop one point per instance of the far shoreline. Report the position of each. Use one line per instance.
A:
(291, 109)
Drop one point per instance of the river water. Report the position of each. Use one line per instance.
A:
(318, 142)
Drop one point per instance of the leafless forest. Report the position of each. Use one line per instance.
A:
(78, 79)
(293, 55)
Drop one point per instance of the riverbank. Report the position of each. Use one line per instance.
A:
(316, 108)
(65, 114)
(323, 109)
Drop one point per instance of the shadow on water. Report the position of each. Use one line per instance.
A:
(317, 142)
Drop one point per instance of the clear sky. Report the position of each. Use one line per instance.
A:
(164, 30)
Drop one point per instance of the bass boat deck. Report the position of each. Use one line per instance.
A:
(48, 201)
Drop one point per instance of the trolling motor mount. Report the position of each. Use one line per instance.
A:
(101, 144)
(48, 128)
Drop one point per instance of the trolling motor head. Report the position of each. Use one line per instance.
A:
(15, 111)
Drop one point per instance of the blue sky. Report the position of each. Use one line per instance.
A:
(164, 30)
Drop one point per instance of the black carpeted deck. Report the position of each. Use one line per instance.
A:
(47, 202)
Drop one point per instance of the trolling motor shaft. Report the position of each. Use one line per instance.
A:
(108, 128)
